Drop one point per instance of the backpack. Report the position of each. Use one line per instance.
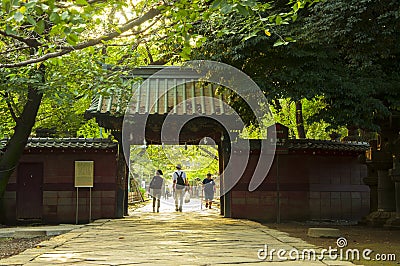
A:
(179, 180)
(156, 182)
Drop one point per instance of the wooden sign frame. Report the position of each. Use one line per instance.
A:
(84, 173)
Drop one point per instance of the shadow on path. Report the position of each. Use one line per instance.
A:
(193, 237)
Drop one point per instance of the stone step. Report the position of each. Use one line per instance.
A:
(323, 232)
(29, 233)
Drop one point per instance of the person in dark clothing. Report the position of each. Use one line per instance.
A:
(156, 185)
(209, 189)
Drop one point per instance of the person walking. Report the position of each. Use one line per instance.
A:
(179, 185)
(166, 193)
(156, 185)
(209, 189)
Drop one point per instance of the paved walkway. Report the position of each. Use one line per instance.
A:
(193, 237)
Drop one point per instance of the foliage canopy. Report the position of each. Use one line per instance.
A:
(342, 54)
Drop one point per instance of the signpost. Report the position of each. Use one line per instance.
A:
(84, 176)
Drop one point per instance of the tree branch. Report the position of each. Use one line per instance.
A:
(133, 48)
(163, 60)
(15, 49)
(92, 42)
(90, 2)
(149, 55)
(140, 31)
(10, 107)
(31, 42)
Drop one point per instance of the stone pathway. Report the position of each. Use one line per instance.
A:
(193, 237)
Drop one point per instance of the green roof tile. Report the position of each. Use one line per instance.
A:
(162, 93)
(66, 143)
(309, 144)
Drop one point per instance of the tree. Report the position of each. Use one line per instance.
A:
(36, 36)
(198, 160)
(286, 115)
(345, 55)
(364, 36)
(55, 29)
(23, 121)
(35, 32)
(270, 57)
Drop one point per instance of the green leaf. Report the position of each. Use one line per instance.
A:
(216, 4)
(290, 39)
(81, 28)
(54, 17)
(31, 20)
(39, 28)
(30, 4)
(81, 2)
(39, 10)
(226, 8)
(65, 15)
(280, 42)
(278, 20)
(242, 10)
(185, 54)
(45, 7)
(72, 39)
(251, 35)
(296, 6)
(18, 16)
(249, 3)
(116, 28)
(9, 29)
(66, 30)
(187, 49)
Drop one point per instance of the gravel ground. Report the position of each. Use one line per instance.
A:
(13, 246)
(378, 239)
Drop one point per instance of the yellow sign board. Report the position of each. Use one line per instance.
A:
(84, 173)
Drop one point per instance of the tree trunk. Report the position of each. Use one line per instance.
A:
(16, 145)
(299, 120)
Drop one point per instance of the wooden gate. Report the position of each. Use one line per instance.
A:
(29, 192)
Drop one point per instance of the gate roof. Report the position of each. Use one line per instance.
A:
(175, 91)
(160, 91)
